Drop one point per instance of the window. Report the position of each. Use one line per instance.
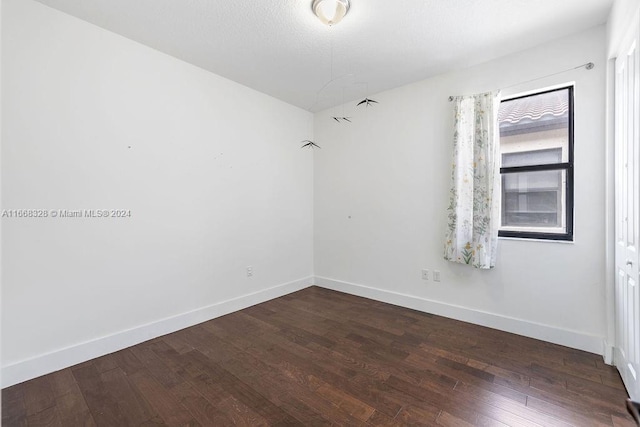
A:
(536, 147)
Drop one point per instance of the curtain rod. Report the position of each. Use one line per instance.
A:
(588, 66)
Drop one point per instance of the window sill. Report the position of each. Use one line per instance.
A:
(531, 239)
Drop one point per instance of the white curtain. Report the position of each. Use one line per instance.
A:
(474, 206)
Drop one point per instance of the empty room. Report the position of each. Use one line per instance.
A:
(320, 212)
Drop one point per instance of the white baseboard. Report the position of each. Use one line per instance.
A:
(69, 356)
(607, 352)
(565, 337)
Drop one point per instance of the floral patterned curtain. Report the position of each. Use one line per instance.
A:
(474, 206)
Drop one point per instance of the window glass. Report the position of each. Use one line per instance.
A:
(526, 158)
(537, 165)
(533, 199)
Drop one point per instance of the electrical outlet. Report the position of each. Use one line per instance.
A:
(425, 274)
(436, 276)
(249, 271)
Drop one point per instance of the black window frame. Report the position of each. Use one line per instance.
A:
(563, 166)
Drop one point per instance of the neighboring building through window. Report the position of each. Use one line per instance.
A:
(536, 146)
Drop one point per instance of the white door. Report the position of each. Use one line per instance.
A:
(627, 131)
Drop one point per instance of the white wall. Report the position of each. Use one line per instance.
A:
(1, 7)
(214, 177)
(622, 13)
(381, 193)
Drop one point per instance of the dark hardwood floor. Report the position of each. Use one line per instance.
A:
(318, 357)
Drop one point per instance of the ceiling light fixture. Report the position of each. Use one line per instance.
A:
(330, 11)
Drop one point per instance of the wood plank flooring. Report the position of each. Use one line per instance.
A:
(319, 357)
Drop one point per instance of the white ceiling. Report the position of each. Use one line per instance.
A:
(280, 48)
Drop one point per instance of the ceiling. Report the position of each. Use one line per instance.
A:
(280, 48)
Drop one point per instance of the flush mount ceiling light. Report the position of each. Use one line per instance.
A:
(330, 11)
